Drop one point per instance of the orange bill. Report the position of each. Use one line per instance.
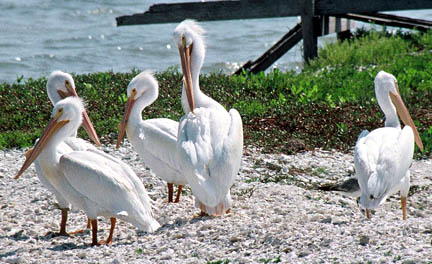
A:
(88, 127)
(52, 127)
(87, 124)
(405, 116)
(185, 53)
(70, 91)
(122, 126)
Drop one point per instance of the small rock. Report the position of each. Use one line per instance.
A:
(411, 261)
(339, 222)
(326, 220)
(287, 250)
(116, 261)
(178, 235)
(234, 239)
(364, 240)
(326, 242)
(82, 255)
(17, 260)
(303, 254)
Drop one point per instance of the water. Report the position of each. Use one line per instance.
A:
(39, 36)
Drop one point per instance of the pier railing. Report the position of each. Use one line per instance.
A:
(314, 19)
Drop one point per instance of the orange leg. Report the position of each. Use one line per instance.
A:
(94, 233)
(179, 190)
(170, 192)
(203, 209)
(63, 222)
(109, 239)
(368, 214)
(88, 223)
(404, 209)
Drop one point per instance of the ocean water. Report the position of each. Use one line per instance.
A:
(80, 36)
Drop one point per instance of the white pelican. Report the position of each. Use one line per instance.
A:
(155, 140)
(382, 157)
(210, 140)
(91, 180)
(61, 85)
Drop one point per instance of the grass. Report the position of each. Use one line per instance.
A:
(325, 106)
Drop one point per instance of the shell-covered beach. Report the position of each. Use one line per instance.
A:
(278, 215)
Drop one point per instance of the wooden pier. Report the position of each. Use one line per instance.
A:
(315, 19)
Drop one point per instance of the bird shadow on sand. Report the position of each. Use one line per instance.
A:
(180, 222)
(72, 246)
(69, 246)
(18, 236)
(51, 235)
(8, 254)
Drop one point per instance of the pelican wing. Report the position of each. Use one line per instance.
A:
(105, 181)
(394, 160)
(230, 158)
(210, 144)
(156, 142)
(382, 160)
(363, 166)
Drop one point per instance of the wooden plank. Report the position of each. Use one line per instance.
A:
(401, 18)
(288, 41)
(335, 7)
(214, 10)
(310, 36)
(246, 9)
(391, 20)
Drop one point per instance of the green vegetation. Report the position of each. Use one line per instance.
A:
(225, 261)
(327, 105)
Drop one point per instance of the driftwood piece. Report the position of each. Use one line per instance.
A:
(288, 41)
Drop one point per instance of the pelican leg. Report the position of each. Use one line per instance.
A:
(63, 222)
(179, 190)
(170, 192)
(203, 209)
(88, 223)
(368, 213)
(404, 209)
(94, 233)
(110, 237)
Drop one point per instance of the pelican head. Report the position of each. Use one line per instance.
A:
(65, 120)
(188, 36)
(390, 101)
(374, 193)
(61, 85)
(145, 86)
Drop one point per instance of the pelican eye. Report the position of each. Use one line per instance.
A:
(183, 40)
(66, 82)
(371, 197)
(59, 113)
